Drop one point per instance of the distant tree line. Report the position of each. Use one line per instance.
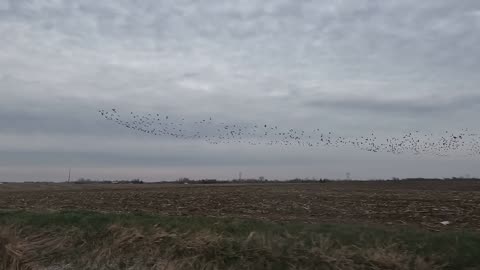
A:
(261, 179)
(90, 181)
(185, 180)
(439, 179)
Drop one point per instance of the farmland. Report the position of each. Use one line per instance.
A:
(421, 204)
(332, 225)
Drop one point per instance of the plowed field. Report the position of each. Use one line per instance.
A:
(418, 204)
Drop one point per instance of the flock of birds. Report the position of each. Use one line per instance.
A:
(213, 132)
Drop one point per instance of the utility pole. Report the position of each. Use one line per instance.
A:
(69, 174)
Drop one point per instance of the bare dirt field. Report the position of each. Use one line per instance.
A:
(423, 204)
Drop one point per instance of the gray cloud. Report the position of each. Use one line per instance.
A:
(348, 66)
(417, 107)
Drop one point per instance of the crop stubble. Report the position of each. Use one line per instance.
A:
(420, 204)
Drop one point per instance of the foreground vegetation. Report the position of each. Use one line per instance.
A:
(90, 240)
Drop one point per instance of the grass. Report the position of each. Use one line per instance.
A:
(91, 240)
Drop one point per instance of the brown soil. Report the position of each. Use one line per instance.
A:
(422, 204)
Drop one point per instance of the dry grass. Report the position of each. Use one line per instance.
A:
(29, 251)
(90, 240)
(121, 247)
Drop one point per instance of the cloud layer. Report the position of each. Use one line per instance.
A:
(348, 66)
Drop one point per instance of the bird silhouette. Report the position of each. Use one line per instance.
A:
(416, 142)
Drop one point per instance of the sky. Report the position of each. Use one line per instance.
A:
(352, 67)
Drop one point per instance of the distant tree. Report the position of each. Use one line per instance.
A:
(83, 181)
(183, 180)
(136, 181)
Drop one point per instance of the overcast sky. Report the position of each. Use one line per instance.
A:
(348, 66)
